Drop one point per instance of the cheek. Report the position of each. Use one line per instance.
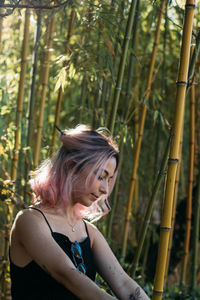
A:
(92, 184)
(112, 183)
(78, 187)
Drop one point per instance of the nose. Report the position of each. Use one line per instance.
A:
(104, 187)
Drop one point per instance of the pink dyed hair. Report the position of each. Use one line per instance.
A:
(52, 184)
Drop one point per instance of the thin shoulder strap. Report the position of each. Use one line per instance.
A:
(43, 216)
(86, 227)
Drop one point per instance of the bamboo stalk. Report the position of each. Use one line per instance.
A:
(45, 76)
(132, 56)
(82, 98)
(190, 72)
(1, 24)
(190, 182)
(122, 65)
(9, 214)
(60, 92)
(28, 159)
(174, 208)
(114, 200)
(196, 236)
(145, 255)
(174, 151)
(141, 129)
(150, 208)
(194, 57)
(116, 52)
(20, 95)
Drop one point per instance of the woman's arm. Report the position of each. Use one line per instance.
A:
(33, 234)
(109, 268)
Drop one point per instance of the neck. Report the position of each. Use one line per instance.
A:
(67, 212)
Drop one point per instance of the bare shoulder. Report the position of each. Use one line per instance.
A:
(91, 227)
(27, 217)
(94, 232)
(25, 221)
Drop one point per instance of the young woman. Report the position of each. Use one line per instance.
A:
(54, 252)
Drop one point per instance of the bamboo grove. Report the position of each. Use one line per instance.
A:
(131, 66)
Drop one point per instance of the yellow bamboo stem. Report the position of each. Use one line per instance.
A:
(174, 208)
(190, 180)
(141, 129)
(60, 92)
(174, 151)
(45, 72)
(20, 95)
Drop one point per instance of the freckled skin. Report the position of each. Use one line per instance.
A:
(136, 295)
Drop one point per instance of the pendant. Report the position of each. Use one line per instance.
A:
(73, 229)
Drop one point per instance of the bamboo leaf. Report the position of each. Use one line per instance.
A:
(62, 58)
(146, 102)
(110, 47)
(111, 67)
(159, 97)
(162, 119)
(1, 149)
(71, 71)
(155, 116)
(5, 110)
(61, 79)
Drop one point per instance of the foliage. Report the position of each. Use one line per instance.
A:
(88, 78)
(181, 293)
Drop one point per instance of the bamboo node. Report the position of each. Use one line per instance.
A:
(118, 88)
(165, 228)
(157, 292)
(190, 6)
(173, 160)
(181, 83)
(133, 178)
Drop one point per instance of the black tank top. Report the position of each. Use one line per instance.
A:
(33, 283)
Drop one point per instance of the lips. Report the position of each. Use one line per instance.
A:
(94, 196)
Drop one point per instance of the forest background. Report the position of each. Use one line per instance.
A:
(114, 64)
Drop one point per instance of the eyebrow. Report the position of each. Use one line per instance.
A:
(107, 173)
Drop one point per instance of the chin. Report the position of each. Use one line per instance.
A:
(87, 202)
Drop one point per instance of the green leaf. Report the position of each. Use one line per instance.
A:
(155, 115)
(61, 80)
(5, 109)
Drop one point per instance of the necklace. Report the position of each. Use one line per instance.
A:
(72, 226)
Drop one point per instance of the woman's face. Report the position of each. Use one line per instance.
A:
(100, 184)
